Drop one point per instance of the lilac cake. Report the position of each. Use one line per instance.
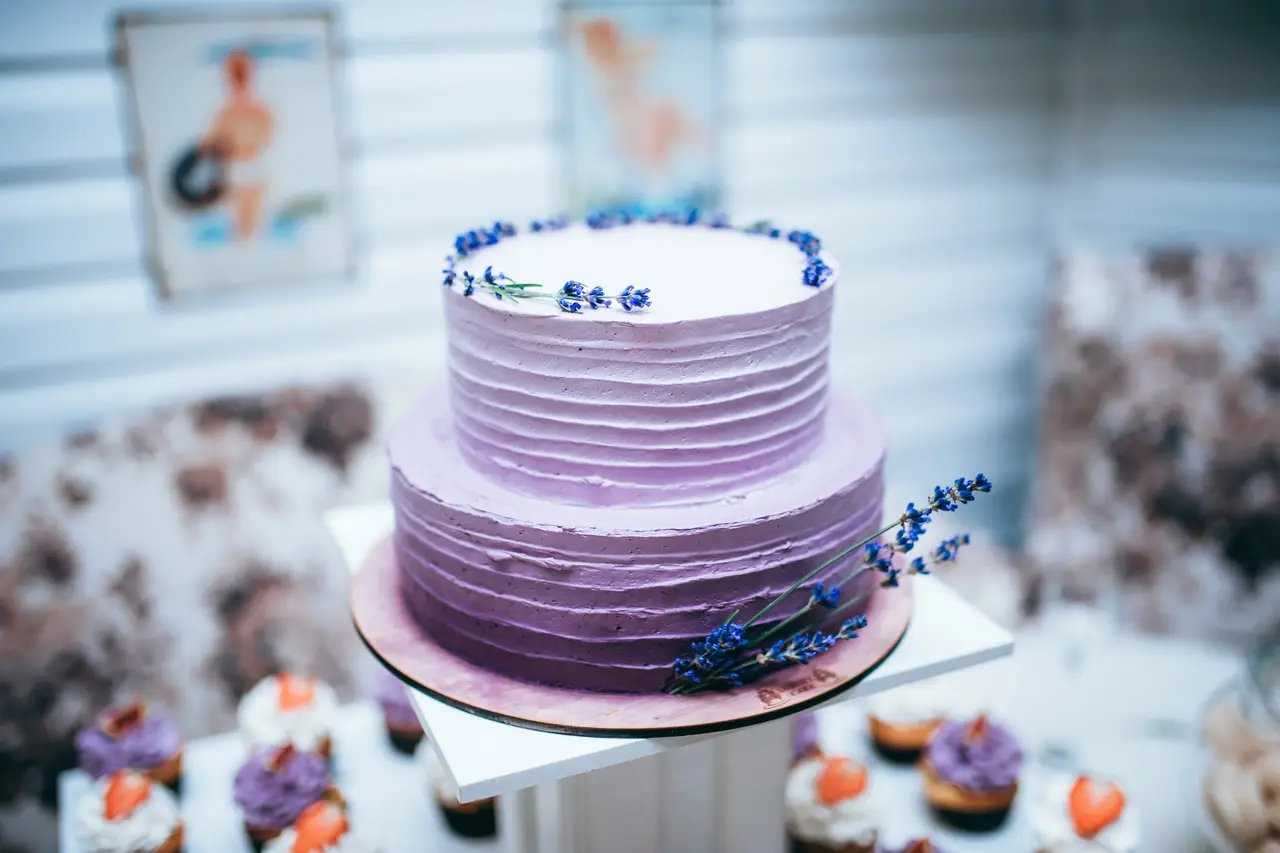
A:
(594, 490)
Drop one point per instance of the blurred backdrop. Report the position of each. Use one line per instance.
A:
(1057, 225)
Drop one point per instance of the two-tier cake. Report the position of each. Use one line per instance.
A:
(597, 486)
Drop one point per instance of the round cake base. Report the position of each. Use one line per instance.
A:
(396, 640)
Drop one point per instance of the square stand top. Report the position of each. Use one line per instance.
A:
(487, 758)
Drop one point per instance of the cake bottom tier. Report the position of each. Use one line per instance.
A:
(605, 599)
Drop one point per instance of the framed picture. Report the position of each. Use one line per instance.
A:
(640, 104)
(236, 139)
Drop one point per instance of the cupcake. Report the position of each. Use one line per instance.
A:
(125, 812)
(131, 738)
(1082, 815)
(805, 741)
(477, 819)
(832, 807)
(276, 785)
(971, 773)
(321, 828)
(403, 728)
(901, 721)
(286, 708)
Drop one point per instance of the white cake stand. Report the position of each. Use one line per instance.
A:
(696, 794)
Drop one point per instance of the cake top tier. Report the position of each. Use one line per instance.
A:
(689, 272)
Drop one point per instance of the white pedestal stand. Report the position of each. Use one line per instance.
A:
(719, 793)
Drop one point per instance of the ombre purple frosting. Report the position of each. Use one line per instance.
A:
(144, 746)
(391, 695)
(273, 799)
(593, 492)
(606, 599)
(992, 762)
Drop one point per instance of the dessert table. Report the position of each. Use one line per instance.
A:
(1138, 729)
(391, 803)
(1127, 707)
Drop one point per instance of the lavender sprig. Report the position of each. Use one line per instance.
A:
(876, 556)
(911, 525)
(571, 298)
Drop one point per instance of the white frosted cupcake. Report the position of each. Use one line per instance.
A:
(321, 828)
(901, 721)
(1078, 814)
(286, 708)
(478, 819)
(832, 806)
(128, 813)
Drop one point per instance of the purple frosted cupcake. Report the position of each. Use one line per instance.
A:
(403, 728)
(130, 738)
(971, 773)
(275, 785)
(805, 742)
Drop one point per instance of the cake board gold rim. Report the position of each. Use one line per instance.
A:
(387, 630)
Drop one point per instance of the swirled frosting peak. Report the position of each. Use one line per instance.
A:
(977, 755)
(274, 786)
(127, 738)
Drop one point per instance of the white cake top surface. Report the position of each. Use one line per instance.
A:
(692, 272)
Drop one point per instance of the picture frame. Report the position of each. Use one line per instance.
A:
(237, 145)
(640, 105)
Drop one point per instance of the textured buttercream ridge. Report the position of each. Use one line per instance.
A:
(604, 531)
(573, 447)
(679, 556)
(624, 377)
(761, 381)
(644, 626)
(723, 564)
(549, 445)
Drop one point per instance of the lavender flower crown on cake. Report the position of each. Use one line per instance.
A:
(573, 296)
(733, 655)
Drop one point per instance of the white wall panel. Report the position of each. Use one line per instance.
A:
(1174, 119)
(915, 136)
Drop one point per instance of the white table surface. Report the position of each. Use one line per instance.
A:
(1130, 712)
(390, 801)
(487, 758)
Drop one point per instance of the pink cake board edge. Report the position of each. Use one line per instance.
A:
(408, 652)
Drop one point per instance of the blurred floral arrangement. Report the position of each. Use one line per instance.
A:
(573, 296)
(731, 655)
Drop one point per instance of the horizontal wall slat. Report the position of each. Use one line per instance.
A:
(454, 188)
(30, 413)
(83, 28)
(779, 158)
(1158, 209)
(886, 75)
(891, 17)
(76, 120)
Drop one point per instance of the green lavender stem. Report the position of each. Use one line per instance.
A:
(785, 622)
(811, 575)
